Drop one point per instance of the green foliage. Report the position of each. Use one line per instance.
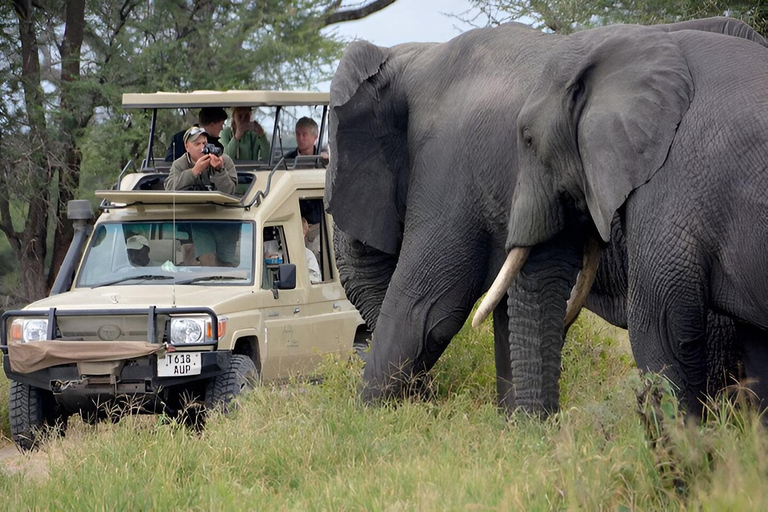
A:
(302, 446)
(566, 16)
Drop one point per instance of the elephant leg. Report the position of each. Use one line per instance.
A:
(754, 345)
(723, 352)
(438, 278)
(667, 312)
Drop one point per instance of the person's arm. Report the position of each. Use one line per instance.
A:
(179, 178)
(225, 179)
(229, 142)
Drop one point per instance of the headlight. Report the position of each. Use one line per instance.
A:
(34, 329)
(187, 330)
(190, 330)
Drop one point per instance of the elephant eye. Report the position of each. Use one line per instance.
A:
(527, 139)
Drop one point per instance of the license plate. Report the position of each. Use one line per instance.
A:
(179, 364)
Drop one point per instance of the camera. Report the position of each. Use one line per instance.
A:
(212, 149)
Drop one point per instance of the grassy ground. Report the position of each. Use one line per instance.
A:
(314, 447)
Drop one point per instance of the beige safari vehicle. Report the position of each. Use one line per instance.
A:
(134, 317)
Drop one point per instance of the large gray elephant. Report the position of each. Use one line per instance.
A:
(422, 173)
(669, 132)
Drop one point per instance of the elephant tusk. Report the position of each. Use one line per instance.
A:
(583, 282)
(514, 262)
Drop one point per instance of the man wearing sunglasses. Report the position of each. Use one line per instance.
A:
(199, 169)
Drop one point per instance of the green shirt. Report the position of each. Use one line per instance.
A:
(249, 147)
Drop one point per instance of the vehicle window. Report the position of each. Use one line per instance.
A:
(316, 239)
(190, 252)
(275, 253)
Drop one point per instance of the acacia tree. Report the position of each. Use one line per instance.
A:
(63, 66)
(565, 16)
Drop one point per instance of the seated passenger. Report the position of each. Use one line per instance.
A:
(314, 269)
(306, 136)
(245, 139)
(198, 171)
(210, 119)
(137, 248)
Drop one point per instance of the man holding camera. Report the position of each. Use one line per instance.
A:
(202, 167)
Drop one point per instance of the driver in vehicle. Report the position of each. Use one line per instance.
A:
(137, 247)
(202, 167)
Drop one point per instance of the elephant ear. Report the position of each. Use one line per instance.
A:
(629, 94)
(365, 181)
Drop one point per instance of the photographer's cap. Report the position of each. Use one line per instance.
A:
(193, 133)
(136, 242)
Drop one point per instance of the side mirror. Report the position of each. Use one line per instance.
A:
(286, 278)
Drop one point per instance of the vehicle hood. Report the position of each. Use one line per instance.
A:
(144, 296)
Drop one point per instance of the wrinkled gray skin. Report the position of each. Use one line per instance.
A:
(669, 132)
(422, 172)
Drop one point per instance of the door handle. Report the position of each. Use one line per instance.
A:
(296, 310)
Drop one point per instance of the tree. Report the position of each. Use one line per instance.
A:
(565, 16)
(64, 66)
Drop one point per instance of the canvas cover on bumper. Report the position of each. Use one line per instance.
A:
(37, 355)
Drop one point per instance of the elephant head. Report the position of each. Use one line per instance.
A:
(598, 125)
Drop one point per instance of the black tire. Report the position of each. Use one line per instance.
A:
(34, 414)
(241, 376)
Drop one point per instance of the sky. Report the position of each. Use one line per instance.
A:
(407, 21)
(410, 21)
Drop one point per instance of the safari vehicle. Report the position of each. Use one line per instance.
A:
(134, 317)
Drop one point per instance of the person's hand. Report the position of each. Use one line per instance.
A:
(257, 129)
(215, 161)
(202, 164)
(241, 129)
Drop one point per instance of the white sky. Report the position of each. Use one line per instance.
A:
(409, 21)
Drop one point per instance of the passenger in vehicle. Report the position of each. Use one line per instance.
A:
(314, 268)
(306, 137)
(197, 170)
(245, 139)
(211, 119)
(137, 248)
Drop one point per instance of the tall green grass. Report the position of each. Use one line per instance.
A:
(315, 447)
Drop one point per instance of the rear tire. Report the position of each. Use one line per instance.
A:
(241, 376)
(34, 414)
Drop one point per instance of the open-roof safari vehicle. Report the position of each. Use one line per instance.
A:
(135, 317)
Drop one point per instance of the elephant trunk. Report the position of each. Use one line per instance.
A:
(536, 309)
(365, 274)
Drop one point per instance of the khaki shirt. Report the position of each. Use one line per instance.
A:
(182, 177)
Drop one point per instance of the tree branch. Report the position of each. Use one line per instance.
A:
(356, 14)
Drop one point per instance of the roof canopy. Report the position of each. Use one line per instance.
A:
(199, 99)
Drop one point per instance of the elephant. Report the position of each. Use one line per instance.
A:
(668, 133)
(420, 181)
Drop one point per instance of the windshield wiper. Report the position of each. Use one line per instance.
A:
(199, 279)
(145, 277)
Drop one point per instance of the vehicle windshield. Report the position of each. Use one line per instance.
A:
(162, 253)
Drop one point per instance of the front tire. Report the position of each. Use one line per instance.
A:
(33, 414)
(241, 376)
